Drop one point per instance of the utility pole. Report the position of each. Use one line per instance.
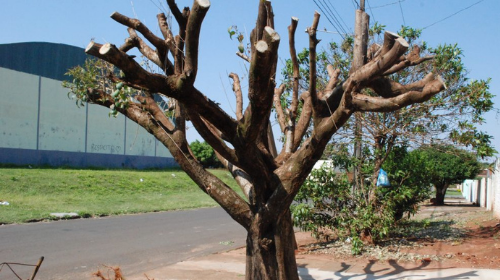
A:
(359, 59)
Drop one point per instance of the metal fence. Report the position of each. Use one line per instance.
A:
(10, 266)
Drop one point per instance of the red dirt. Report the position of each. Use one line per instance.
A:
(478, 247)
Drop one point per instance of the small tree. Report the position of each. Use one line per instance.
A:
(328, 206)
(205, 154)
(243, 142)
(403, 168)
(444, 165)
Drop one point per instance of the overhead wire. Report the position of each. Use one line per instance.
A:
(334, 17)
(371, 11)
(355, 4)
(441, 20)
(388, 4)
(323, 10)
(328, 18)
(402, 14)
(339, 16)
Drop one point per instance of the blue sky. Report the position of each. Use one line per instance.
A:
(76, 22)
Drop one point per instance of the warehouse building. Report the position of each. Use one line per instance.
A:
(40, 125)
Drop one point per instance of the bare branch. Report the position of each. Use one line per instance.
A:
(128, 45)
(376, 104)
(238, 94)
(412, 59)
(242, 178)
(134, 73)
(270, 14)
(389, 39)
(278, 107)
(379, 65)
(388, 88)
(261, 85)
(179, 16)
(198, 12)
(372, 51)
(265, 17)
(213, 136)
(334, 77)
(148, 52)
(243, 56)
(304, 120)
(167, 32)
(360, 40)
(312, 60)
(139, 26)
(295, 64)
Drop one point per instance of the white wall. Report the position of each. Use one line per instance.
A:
(18, 109)
(495, 178)
(62, 124)
(36, 114)
(486, 191)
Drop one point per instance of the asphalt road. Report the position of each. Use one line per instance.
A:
(74, 249)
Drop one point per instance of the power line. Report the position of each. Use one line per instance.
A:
(334, 17)
(326, 15)
(388, 4)
(401, 8)
(466, 8)
(371, 12)
(335, 10)
(355, 4)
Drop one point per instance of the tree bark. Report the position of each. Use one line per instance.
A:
(271, 250)
(440, 193)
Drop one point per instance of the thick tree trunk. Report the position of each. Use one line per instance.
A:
(271, 251)
(440, 193)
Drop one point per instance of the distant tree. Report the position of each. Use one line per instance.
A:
(205, 154)
(442, 166)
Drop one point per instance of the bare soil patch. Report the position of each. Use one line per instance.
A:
(455, 235)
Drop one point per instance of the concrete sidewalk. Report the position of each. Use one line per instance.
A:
(231, 265)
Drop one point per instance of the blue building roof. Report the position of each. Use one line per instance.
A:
(49, 60)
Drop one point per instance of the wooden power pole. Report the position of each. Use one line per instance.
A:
(359, 59)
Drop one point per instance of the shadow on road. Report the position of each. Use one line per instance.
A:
(394, 272)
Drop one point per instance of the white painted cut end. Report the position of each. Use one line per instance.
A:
(272, 33)
(89, 46)
(204, 3)
(261, 46)
(105, 49)
(403, 42)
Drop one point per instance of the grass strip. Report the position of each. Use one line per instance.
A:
(32, 194)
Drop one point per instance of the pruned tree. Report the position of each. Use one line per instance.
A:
(270, 180)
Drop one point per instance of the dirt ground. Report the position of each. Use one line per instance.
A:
(456, 235)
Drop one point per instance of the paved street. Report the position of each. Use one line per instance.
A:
(137, 243)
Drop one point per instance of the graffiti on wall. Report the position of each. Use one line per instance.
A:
(112, 149)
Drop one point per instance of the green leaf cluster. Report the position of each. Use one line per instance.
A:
(205, 154)
(444, 164)
(95, 75)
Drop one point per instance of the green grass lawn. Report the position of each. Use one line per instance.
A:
(35, 193)
(453, 192)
